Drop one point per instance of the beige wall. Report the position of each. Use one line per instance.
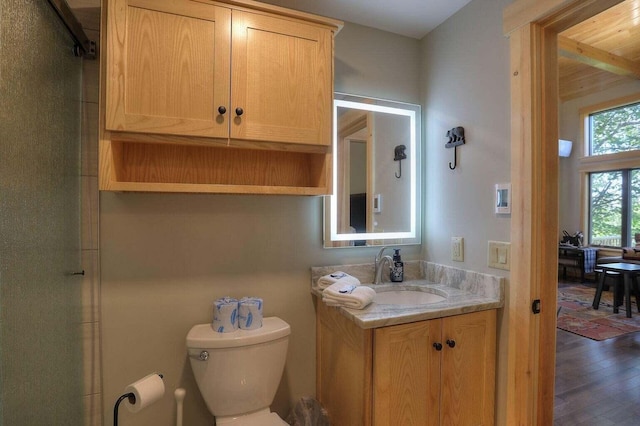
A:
(465, 70)
(165, 257)
(378, 64)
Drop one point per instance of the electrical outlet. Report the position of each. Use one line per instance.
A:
(457, 249)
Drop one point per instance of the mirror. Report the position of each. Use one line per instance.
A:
(375, 173)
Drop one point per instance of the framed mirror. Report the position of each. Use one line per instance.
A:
(376, 173)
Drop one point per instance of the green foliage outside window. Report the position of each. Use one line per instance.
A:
(612, 204)
(635, 204)
(606, 208)
(615, 130)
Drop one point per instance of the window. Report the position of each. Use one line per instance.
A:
(614, 208)
(612, 169)
(615, 130)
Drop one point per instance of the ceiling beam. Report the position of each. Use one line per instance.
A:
(598, 58)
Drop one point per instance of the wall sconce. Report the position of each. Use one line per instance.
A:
(564, 147)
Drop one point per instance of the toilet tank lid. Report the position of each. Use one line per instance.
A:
(202, 336)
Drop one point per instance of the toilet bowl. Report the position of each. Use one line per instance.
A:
(238, 373)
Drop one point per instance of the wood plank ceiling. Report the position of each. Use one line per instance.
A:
(600, 52)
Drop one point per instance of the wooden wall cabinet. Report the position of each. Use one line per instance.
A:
(217, 82)
(435, 372)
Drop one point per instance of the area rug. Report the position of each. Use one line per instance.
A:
(576, 315)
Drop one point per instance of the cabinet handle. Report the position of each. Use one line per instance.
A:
(437, 346)
(451, 343)
(239, 111)
(222, 110)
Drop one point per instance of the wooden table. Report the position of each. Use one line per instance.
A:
(629, 272)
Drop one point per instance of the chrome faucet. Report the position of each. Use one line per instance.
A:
(378, 262)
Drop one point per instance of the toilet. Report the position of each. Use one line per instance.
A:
(238, 373)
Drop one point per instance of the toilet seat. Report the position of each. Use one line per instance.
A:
(264, 418)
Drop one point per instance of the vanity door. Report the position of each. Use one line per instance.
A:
(436, 372)
(468, 369)
(406, 374)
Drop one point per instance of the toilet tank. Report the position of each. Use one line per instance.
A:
(243, 369)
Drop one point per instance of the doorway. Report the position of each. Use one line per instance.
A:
(533, 28)
(589, 82)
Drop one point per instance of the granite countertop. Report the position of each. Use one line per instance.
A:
(464, 291)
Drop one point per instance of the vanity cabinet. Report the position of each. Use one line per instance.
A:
(433, 372)
(204, 96)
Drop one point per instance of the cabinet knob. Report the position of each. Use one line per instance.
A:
(451, 343)
(239, 111)
(222, 110)
(437, 346)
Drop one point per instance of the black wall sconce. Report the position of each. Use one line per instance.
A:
(455, 138)
(399, 155)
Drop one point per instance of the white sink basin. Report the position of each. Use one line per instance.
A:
(407, 297)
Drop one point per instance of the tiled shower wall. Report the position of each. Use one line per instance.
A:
(88, 13)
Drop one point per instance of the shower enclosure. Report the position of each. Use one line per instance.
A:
(40, 298)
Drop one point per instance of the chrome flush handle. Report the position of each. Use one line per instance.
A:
(203, 356)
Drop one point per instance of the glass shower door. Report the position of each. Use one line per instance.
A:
(40, 298)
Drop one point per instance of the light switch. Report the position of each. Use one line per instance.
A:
(457, 249)
(499, 255)
(502, 255)
(377, 203)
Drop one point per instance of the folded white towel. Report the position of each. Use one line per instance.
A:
(327, 280)
(348, 295)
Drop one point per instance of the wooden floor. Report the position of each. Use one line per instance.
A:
(597, 383)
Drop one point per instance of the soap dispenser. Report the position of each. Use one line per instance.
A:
(397, 271)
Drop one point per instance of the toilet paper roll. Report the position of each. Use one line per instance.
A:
(225, 315)
(146, 391)
(250, 312)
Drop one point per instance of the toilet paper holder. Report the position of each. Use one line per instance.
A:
(132, 400)
(130, 396)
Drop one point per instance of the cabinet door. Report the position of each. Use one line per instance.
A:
(167, 67)
(468, 369)
(406, 374)
(282, 79)
(344, 363)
